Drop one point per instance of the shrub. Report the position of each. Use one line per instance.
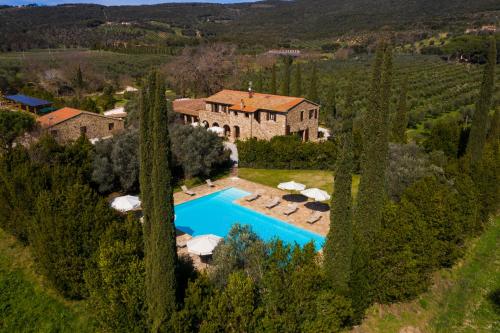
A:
(67, 225)
(286, 152)
(115, 278)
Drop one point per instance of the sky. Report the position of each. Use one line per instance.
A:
(109, 2)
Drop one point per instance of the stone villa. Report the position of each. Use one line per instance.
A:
(68, 124)
(245, 115)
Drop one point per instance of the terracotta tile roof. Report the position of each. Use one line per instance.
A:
(58, 116)
(66, 113)
(241, 101)
(189, 106)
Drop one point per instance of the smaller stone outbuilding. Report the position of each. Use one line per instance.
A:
(69, 124)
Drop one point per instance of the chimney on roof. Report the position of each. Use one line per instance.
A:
(242, 104)
(250, 91)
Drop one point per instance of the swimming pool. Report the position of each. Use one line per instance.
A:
(216, 213)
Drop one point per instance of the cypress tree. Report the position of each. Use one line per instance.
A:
(274, 84)
(287, 68)
(339, 242)
(477, 137)
(160, 248)
(371, 194)
(313, 84)
(400, 121)
(297, 84)
(79, 78)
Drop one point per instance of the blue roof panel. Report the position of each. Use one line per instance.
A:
(27, 100)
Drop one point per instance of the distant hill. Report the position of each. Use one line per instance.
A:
(265, 23)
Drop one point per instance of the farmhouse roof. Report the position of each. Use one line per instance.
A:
(189, 106)
(243, 101)
(64, 114)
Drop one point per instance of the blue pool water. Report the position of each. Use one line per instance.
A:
(216, 213)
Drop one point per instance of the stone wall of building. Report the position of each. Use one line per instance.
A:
(94, 126)
(246, 124)
(309, 122)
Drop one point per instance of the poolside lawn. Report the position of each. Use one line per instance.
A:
(311, 178)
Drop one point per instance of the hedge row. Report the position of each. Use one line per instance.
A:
(286, 152)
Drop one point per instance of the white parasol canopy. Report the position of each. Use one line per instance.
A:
(203, 245)
(291, 186)
(195, 124)
(216, 129)
(316, 194)
(126, 203)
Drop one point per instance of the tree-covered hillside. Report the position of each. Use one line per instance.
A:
(170, 25)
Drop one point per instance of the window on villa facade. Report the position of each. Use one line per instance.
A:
(83, 130)
(271, 116)
(247, 115)
(311, 114)
(214, 107)
(256, 115)
(53, 133)
(111, 126)
(301, 115)
(316, 114)
(236, 113)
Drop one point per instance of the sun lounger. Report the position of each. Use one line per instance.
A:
(209, 183)
(187, 191)
(290, 209)
(254, 196)
(315, 217)
(273, 202)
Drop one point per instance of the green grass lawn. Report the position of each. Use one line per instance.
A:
(462, 299)
(27, 303)
(311, 178)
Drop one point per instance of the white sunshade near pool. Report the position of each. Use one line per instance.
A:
(316, 194)
(126, 203)
(291, 186)
(203, 245)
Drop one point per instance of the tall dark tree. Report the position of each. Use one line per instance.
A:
(287, 70)
(400, 121)
(339, 242)
(78, 81)
(157, 200)
(372, 193)
(297, 83)
(478, 132)
(313, 84)
(274, 83)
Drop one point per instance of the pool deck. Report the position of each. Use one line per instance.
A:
(298, 218)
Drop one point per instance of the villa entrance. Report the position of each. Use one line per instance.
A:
(227, 131)
(236, 132)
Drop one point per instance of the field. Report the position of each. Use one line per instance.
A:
(436, 88)
(464, 299)
(310, 178)
(27, 303)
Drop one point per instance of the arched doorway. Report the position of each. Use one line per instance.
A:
(227, 131)
(205, 124)
(236, 132)
(215, 125)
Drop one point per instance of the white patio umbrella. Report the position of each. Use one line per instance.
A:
(291, 186)
(316, 194)
(126, 203)
(203, 245)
